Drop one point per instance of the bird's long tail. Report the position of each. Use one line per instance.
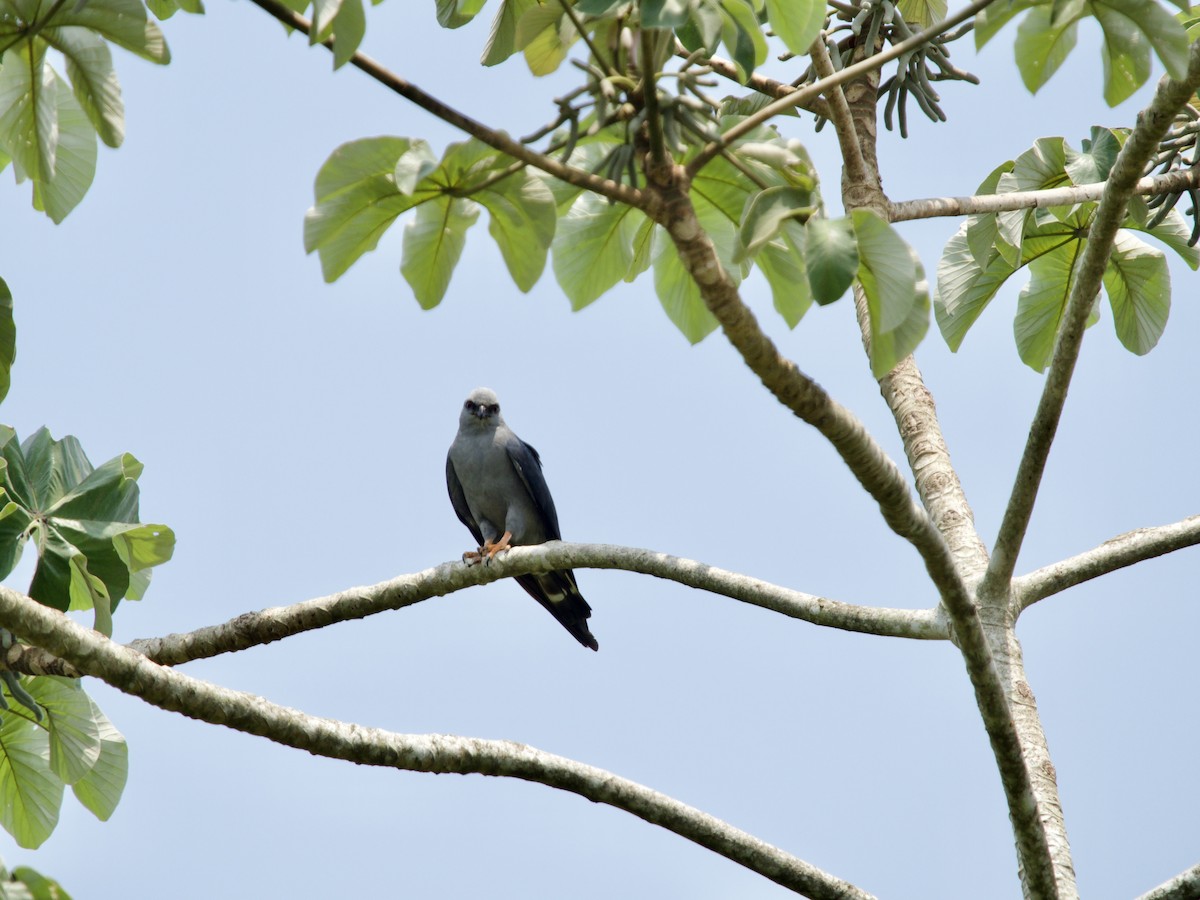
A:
(558, 593)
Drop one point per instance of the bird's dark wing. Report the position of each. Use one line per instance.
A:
(459, 499)
(529, 466)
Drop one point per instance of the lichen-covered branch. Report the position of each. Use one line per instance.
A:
(1152, 124)
(253, 629)
(933, 207)
(1115, 553)
(132, 673)
(1184, 886)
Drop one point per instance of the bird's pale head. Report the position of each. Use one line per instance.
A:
(481, 409)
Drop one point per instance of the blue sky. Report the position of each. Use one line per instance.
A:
(294, 436)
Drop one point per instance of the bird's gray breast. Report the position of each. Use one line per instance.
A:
(495, 493)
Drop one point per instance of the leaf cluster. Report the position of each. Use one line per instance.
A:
(989, 249)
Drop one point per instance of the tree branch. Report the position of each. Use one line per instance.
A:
(854, 167)
(1152, 124)
(932, 207)
(253, 629)
(672, 208)
(495, 139)
(803, 95)
(167, 689)
(1115, 553)
(1184, 886)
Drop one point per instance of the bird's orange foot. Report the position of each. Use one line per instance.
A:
(490, 549)
(473, 557)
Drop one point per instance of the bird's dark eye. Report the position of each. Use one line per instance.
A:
(469, 406)
(493, 409)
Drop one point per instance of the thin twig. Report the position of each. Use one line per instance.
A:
(496, 139)
(658, 153)
(578, 23)
(821, 86)
(1152, 124)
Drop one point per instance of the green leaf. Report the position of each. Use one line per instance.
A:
(782, 264)
(643, 249)
(522, 222)
(324, 12)
(1136, 22)
(664, 13)
(766, 213)
(1125, 54)
(75, 165)
(502, 41)
(593, 247)
(990, 19)
(1139, 289)
(897, 293)
(798, 22)
(887, 269)
(101, 788)
(703, 27)
(965, 287)
(599, 8)
(1093, 164)
(414, 166)
(680, 296)
(922, 12)
(743, 37)
(74, 732)
(545, 34)
(832, 258)
(1044, 165)
(123, 22)
(29, 117)
(30, 794)
(93, 79)
(356, 202)
(36, 886)
(457, 13)
(164, 9)
(433, 244)
(8, 343)
(889, 347)
(349, 28)
(1173, 231)
(1041, 303)
(1042, 46)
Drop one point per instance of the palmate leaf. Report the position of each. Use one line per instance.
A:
(502, 40)
(782, 262)
(357, 199)
(1131, 29)
(100, 789)
(832, 258)
(1138, 285)
(456, 13)
(84, 523)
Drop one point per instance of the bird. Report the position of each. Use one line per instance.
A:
(498, 491)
